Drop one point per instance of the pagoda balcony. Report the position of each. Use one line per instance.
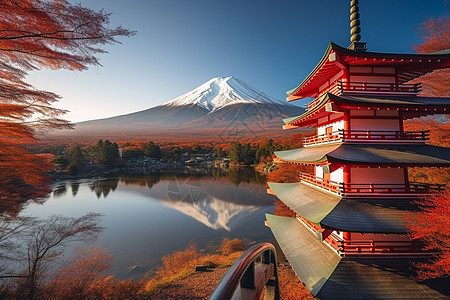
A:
(367, 247)
(369, 88)
(368, 136)
(409, 189)
(378, 88)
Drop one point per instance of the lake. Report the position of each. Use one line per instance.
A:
(147, 217)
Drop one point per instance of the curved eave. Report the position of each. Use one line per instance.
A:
(353, 57)
(369, 154)
(409, 104)
(308, 113)
(306, 155)
(310, 203)
(373, 216)
(331, 211)
(389, 101)
(312, 260)
(395, 154)
(291, 93)
(329, 276)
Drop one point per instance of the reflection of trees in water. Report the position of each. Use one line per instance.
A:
(149, 181)
(75, 186)
(245, 175)
(15, 192)
(60, 190)
(104, 187)
(236, 175)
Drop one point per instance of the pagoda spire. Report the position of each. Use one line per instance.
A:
(355, 30)
(354, 22)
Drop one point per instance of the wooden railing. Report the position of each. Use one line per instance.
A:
(363, 246)
(373, 87)
(368, 135)
(412, 187)
(341, 87)
(372, 189)
(323, 183)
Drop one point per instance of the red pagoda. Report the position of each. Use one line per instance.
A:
(349, 238)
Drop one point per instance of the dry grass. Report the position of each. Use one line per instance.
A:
(290, 286)
(181, 264)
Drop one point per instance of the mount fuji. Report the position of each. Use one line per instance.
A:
(224, 107)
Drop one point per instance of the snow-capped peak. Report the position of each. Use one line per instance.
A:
(222, 91)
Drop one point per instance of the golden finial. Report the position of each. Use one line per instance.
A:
(354, 22)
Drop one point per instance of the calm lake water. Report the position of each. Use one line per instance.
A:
(147, 217)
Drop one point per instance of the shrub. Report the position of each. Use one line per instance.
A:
(231, 246)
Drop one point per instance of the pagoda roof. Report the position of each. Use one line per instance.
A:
(409, 104)
(369, 154)
(337, 58)
(329, 276)
(335, 212)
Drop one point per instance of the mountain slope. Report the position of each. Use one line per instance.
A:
(218, 107)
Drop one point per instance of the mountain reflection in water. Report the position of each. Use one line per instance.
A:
(147, 217)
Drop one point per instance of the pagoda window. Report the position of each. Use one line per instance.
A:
(388, 176)
(384, 70)
(372, 70)
(383, 125)
(372, 79)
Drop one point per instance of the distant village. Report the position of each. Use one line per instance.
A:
(105, 157)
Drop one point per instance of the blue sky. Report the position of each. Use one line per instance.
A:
(271, 45)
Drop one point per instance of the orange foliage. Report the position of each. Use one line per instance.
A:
(430, 175)
(287, 173)
(290, 286)
(283, 211)
(432, 225)
(439, 132)
(76, 279)
(179, 261)
(36, 34)
(436, 35)
(181, 264)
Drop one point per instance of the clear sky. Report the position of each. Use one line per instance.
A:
(270, 44)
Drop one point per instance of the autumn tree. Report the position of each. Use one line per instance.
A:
(153, 150)
(431, 225)
(436, 37)
(39, 243)
(77, 278)
(36, 34)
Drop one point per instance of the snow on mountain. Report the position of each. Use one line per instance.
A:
(222, 91)
(223, 107)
